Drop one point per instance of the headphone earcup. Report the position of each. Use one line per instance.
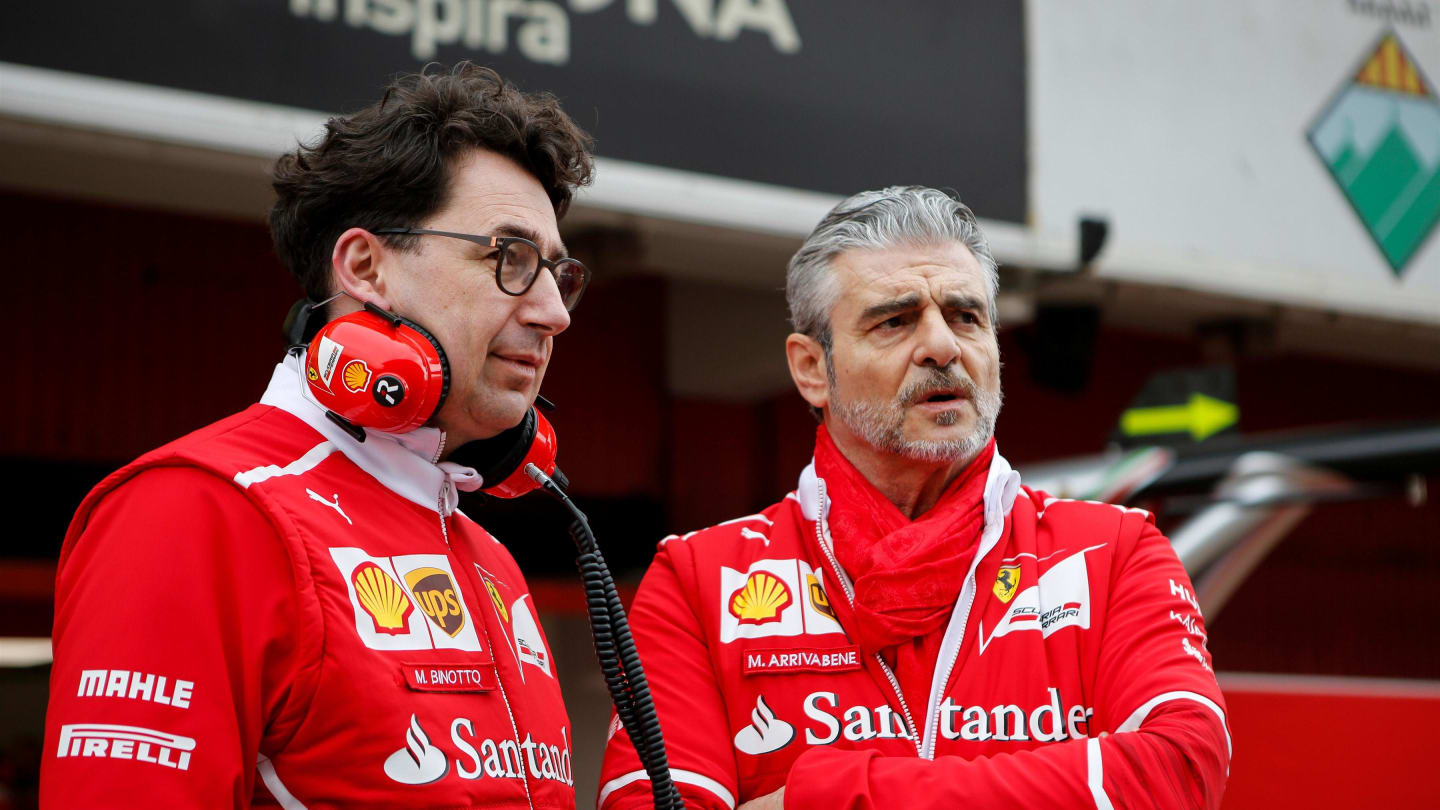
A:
(501, 459)
(383, 373)
(439, 353)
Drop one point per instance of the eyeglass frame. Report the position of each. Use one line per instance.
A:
(500, 243)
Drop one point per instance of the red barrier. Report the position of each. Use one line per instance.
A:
(1305, 741)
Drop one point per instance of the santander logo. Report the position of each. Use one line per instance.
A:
(766, 732)
(419, 762)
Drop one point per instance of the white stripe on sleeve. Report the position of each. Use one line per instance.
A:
(1095, 774)
(687, 777)
(1138, 716)
(299, 466)
(277, 788)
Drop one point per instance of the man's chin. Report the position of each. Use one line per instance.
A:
(933, 442)
(922, 427)
(499, 412)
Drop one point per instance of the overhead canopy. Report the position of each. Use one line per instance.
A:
(831, 97)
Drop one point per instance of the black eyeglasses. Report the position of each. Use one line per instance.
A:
(518, 264)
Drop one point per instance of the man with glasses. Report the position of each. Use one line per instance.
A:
(286, 608)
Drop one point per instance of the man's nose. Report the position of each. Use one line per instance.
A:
(935, 344)
(542, 308)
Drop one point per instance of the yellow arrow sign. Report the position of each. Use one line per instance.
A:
(1202, 417)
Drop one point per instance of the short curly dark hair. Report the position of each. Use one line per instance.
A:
(389, 165)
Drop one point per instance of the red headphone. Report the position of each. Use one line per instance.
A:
(379, 370)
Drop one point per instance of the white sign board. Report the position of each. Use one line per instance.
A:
(1287, 151)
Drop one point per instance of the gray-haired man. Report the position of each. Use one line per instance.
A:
(912, 627)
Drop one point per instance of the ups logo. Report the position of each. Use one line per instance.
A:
(436, 595)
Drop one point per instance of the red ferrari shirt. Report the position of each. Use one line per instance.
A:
(269, 612)
(1073, 672)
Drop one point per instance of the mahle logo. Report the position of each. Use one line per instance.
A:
(1380, 138)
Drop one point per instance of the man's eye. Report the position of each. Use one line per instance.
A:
(893, 323)
(967, 318)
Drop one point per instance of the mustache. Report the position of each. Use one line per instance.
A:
(937, 381)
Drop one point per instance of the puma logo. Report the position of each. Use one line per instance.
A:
(335, 504)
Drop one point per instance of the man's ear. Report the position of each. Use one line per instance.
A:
(807, 368)
(358, 269)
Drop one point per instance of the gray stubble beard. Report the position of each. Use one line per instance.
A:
(882, 425)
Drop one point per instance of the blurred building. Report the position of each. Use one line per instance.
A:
(1233, 185)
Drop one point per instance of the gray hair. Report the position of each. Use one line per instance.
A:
(898, 215)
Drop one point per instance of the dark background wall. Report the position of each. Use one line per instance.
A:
(137, 326)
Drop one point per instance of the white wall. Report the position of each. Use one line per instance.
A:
(1185, 124)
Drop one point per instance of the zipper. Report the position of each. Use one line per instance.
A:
(514, 729)
(932, 723)
(439, 451)
(932, 720)
(850, 598)
(480, 626)
(440, 508)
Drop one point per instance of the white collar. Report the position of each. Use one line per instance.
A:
(1001, 486)
(404, 463)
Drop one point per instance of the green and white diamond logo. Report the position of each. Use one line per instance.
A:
(1380, 138)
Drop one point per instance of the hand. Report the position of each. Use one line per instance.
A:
(770, 801)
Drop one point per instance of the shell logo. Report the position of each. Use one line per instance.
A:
(760, 600)
(383, 598)
(355, 375)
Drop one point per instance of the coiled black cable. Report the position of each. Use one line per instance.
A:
(615, 648)
(620, 664)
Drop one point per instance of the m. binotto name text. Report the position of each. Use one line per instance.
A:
(1047, 722)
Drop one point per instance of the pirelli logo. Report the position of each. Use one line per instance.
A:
(126, 742)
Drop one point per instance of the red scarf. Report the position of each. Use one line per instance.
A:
(907, 574)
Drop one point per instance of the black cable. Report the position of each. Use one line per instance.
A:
(615, 648)
(625, 679)
(601, 630)
(643, 724)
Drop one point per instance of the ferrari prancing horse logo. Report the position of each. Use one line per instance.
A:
(1007, 582)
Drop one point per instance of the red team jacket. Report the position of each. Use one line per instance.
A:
(268, 597)
(1075, 619)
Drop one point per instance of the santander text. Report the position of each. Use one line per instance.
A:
(505, 759)
(1044, 723)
